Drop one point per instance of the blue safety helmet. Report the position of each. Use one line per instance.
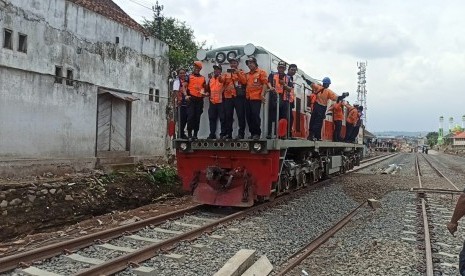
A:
(326, 80)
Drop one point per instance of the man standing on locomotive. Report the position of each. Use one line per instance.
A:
(234, 99)
(256, 84)
(196, 89)
(351, 121)
(179, 90)
(279, 98)
(323, 94)
(338, 116)
(215, 110)
(290, 74)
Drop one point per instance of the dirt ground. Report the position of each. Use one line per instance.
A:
(41, 212)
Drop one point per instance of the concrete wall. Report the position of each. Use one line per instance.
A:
(43, 119)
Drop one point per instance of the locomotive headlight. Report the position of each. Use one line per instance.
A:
(220, 57)
(231, 55)
(183, 146)
(257, 147)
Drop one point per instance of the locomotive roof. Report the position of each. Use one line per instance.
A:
(238, 48)
(258, 50)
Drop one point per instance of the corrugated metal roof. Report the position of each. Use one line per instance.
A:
(112, 11)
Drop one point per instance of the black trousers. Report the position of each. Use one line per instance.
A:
(291, 119)
(349, 131)
(194, 111)
(316, 120)
(215, 112)
(355, 133)
(283, 108)
(462, 261)
(337, 131)
(253, 109)
(238, 104)
(182, 120)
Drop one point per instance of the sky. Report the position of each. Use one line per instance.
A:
(415, 50)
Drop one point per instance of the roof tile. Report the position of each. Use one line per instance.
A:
(112, 11)
(460, 135)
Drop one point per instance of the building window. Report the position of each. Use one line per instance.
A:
(58, 74)
(69, 77)
(8, 39)
(151, 94)
(157, 95)
(22, 43)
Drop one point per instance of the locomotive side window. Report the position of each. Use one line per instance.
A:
(309, 102)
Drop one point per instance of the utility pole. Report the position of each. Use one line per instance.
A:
(158, 17)
(361, 89)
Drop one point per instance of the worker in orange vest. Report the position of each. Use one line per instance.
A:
(234, 99)
(351, 120)
(357, 124)
(215, 111)
(323, 94)
(196, 90)
(256, 87)
(279, 98)
(338, 116)
(290, 74)
(180, 92)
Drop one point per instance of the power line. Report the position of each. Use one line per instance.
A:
(141, 5)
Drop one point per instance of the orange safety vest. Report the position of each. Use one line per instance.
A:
(230, 81)
(216, 90)
(338, 115)
(196, 84)
(323, 94)
(352, 118)
(278, 87)
(255, 82)
(312, 101)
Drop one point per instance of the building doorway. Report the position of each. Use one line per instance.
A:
(113, 122)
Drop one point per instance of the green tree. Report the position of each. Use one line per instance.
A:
(432, 138)
(179, 36)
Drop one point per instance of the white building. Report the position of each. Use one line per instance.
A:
(458, 141)
(79, 81)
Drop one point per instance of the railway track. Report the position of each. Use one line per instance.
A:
(433, 213)
(170, 229)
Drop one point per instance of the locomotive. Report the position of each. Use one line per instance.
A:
(243, 172)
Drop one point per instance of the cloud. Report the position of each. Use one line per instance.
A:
(368, 38)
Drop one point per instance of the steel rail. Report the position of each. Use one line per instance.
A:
(434, 191)
(440, 173)
(428, 252)
(122, 262)
(304, 252)
(13, 261)
(372, 161)
(417, 168)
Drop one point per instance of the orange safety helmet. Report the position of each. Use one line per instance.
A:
(198, 64)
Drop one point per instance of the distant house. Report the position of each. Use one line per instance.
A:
(80, 82)
(458, 141)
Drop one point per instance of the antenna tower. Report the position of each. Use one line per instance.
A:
(361, 89)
